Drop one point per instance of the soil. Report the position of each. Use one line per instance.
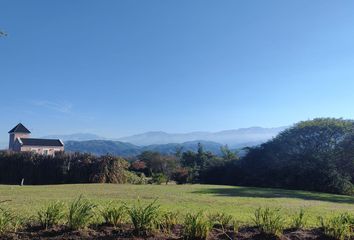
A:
(126, 233)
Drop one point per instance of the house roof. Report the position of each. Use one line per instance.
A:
(41, 142)
(19, 129)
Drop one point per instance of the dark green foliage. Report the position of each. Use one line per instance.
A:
(51, 215)
(313, 155)
(63, 168)
(158, 164)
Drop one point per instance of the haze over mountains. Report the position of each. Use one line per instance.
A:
(167, 143)
(164, 142)
(233, 138)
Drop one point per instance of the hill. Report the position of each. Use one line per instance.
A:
(102, 147)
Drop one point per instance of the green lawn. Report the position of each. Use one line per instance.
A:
(238, 201)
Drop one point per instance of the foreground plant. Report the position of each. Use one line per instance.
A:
(80, 213)
(168, 221)
(299, 220)
(114, 215)
(221, 219)
(339, 227)
(196, 226)
(269, 221)
(224, 222)
(8, 221)
(144, 217)
(51, 215)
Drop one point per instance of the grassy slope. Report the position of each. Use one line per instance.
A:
(239, 201)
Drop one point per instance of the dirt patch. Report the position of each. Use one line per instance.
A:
(126, 232)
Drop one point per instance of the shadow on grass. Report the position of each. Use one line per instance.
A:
(275, 193)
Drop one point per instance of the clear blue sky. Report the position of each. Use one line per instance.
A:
(121, 67)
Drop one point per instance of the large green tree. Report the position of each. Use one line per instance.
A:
(310, 155)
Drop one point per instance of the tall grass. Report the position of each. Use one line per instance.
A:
(221, 219)
(8, 220)
(339, 227)
(114, 214)
(51, 215)
(80, 213)
(223, 223)
(269, 221)
(299, 220)
(168, 220)
(196, 226)
(144, 217)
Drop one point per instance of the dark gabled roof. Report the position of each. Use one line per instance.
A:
(41, 142)
(19, 129)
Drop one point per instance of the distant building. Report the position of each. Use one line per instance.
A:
(20, 141)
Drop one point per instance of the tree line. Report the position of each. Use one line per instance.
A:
(315, 155)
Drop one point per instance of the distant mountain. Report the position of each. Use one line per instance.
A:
(234, 138)
(76, 137)
(102, 147)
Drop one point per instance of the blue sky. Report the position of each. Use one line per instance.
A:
(122, 67)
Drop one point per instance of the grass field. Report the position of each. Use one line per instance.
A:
(238, 201)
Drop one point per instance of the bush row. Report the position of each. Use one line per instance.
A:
(147, 219)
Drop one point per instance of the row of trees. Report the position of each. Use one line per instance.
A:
(63, 168)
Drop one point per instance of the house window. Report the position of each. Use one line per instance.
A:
(45, 151)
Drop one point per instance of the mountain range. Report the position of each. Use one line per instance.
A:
(102, 147)
(167, 143)
(234, 138)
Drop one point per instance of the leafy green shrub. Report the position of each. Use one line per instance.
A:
(159, 178)
(299, 220)
(221, 219)
(80, 213)
(168, 221)
(136, 178)
(114, 215)
(338, 227)
(269, 221)
(51, 215)
(196, 226)
(144, 217)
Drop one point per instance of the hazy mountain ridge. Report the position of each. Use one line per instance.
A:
(102, 147)
(165, 142)
(76, 137)
(233, 138)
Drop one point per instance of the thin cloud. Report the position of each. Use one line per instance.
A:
(63, 107)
